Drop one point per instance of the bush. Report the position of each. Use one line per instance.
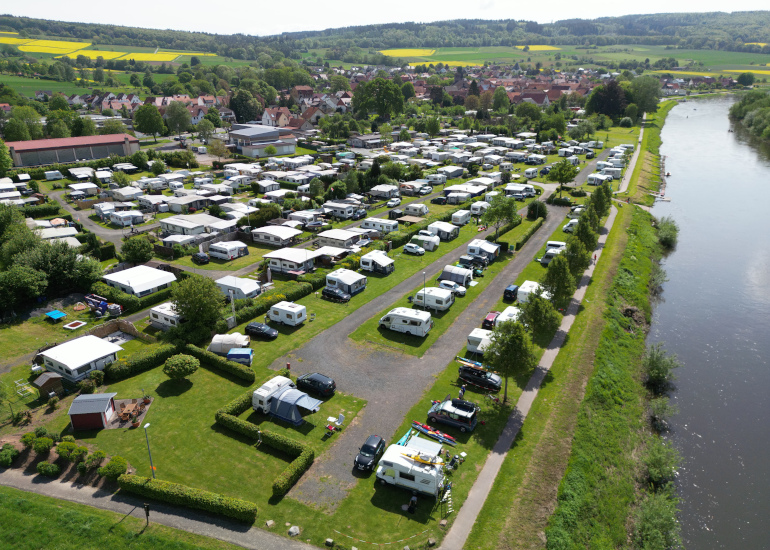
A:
(215, 361)
(668, 232)
(659, 367)
(42, 445)
(82, 468)
(79, 454)
(28, 439)
(53, 403)
(537, 209)
(181, 495)
(578, 192)
(655, 522)
(48, 470)
(116, 467)
(130, 303)
(86, 386)
(661, 461)
(65, 450)
(316, 280)
(97, 376)
(626, 122)
(95, 460)
(69, 438)
(180, 366)
(148, 358)
(40, 210)
(7, 455)
(41, 432)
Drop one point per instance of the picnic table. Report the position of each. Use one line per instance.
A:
(128, 411)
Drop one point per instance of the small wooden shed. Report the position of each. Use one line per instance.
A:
(48, 383)
(92, 412)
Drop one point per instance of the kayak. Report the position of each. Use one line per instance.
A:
(435, 434)
(424, 459)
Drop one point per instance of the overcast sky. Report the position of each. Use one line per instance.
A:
(265, 18)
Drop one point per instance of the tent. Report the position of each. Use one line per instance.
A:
(459, 275)
(221, 344)
(286, 405)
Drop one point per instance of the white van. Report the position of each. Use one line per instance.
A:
(260, 399)
(288, 313)
(436, 298)
(549, 255)
(461, 217)
(530, 173)
(575, 213)
(409, 321)
(555, 244)
(528, 288)
(570, 226)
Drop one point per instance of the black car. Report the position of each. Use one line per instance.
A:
(316, 383)
(480, 377)
(438, 200)
(200, 258)
(470, 261)
(544, 171)
(511, 292)
(335, 294)
(261, 330)
(590, 155)
(359, 214)
(369, 453)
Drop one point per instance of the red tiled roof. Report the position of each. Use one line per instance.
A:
(59, 143)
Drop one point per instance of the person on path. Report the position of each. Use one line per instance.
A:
(462, 391)
(594, 258)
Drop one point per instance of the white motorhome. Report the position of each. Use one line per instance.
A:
(379, 224)
(436, 178)
(478, 340)
(409, 321)
(461, 217)
(436, 298)
(197, 182)
(530, 173)
(569, 227)
(617, 163)
(510, 313)
(555, 244)
(228, 250)
(288, 313)
(413, 467)
(478, 208)
(598, 179)
(416, 209)
(614, 172)
(260, 399)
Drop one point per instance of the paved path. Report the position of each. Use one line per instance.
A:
(179, 518)
(623, 187)
(461, 528)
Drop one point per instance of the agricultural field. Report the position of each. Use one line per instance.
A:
(53, 46)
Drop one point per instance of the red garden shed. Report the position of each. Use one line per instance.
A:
(92, 412)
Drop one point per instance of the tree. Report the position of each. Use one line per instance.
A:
(198, 300)
(646, 93)
(58, 102)
(83, 127)
(659, 367)
(536, 209)
(600, 200)
(558, 281)
(177, 117)
(180, 366)
(608, 99)
(120, 178)
(403, 135)
(501, 102)
(6, 162)
(382, 96)
(632, 111)
(539, 315)
(148, 120)
(158, 167)
(134, 80)
(317, 187)
(20, 285)
(746, 79)
(408, 90)
(432, 126)
(213, 117)
(586, 235)
(218, 148)
(473, 89)
(510, 351)
(137, 250)
(339, 83)
(472, 103)
(577, 256)
(205, 129)
(59, 129)
(244, 106)
(528, 110)
(486, 100)
(385, 130)
(16, 130)
(502, 211)
(563, 172)
(270, 150)
(582, 129)
(113, 126)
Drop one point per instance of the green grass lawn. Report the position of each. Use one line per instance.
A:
(254, 257)
(79, 526)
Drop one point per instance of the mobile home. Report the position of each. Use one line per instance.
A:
(433, 297)
(377, 261)
(428, 243)
(347, 281)
(339, 209)
(418, 209)
(444, 231)
(238, 288)
(409, 321)
(614, 172)
(480, 247)
(379, 224)
(288, 313)
(436, 178)
(165, 316)
(478, 208)
(458, 198)
(228, 250)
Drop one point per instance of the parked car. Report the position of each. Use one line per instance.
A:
(456, 413)
(480, 377)
(316, 383)
(200, 258)
(544, 171)
(457, 290)
(412, 248)
(315, 226)
(489, 320)
(472, 260)
(425, 190)
(511, 292)
(424, 233)
(369, 453)
(261, 330)
(590, 155)
(438, 200)
(364, 242)
(335, 294)
(393, 202)
(359, 214)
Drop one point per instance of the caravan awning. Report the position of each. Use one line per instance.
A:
(286, 406)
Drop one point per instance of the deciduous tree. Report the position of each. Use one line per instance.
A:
(558, 281)
(562, 172)
(205, 129)
(6, 162)
(501, 101)
(148, 120)
(539, 315)
(218, 148)
(198, 300)
(510, 351)
(177, 117)
(502, 211)
(577, 256)
(137, 250)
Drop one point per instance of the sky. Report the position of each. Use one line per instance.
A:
(267, 18)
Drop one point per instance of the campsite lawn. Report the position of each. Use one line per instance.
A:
(371, 333)
(79, 526)
(254, 257)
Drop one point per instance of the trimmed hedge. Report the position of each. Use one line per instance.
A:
(215, 361)
(116, 467)
(316, 280)
(292, 186)
(149, 358)
(40, 210)
(182, 495)
(106, 251)
(303, 456)
(48, 470)
(531, 231)
(264, 302)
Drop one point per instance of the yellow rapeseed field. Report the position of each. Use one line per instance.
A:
(408, 52)
(93, 54)
(145, 56)
(540, 48)
(10, 40)
(53, 46)
(762, 72)
(763, 44)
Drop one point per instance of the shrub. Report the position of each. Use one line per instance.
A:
(130, 303)
(87, 386)
(180, 366)
(28, 439)
(578, 192)
(41, 432)
(65, 450)
(655, 522)
(42, 445)
(97, 376)
(661, 461)
(7, 455)
(82, 468)
(181, 495)
(79, 454)
(53, 403)
(68, 438)
(149, 358)
(626, 122)
(41, 210)
(659, 367)
(215, 361)
(48, 470)
(316, 280)
(95, 460)
(668, 232)
(116, 467)
(537, 209)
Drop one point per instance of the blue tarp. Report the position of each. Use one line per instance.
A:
(286, 405)
(56, 314)
(241, 355)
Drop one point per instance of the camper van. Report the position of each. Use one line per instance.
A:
(549, 255)
(461, 217)
(576, 212)
(569, 227)
(228, 250)
(436, 298)
(614, 172)
(617, 163)
(555, 244)
(416, 469)
(260, 399)
(597, 179)
(528, 288)
(287, 313)
(409, 321)
(530, 173)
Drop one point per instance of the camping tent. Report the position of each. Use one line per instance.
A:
(459, 275)
(286, 405)
(221, 344)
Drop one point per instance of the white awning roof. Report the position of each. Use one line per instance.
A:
(81, 351)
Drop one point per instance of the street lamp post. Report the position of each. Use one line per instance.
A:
(148, 449)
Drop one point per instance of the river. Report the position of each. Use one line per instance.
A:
(715, 315)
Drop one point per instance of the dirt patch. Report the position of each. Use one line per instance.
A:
(635, 314)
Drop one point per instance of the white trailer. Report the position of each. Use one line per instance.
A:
(478, 340)
(510, 313)
(436, 298)
(288, 313)
(414, 469)
(478, 208)
(379, 224)
(436, 178)
(614, 172)
(461, 217)
(409, 321)
(530, 173)
(262, 396)
(228, 250)
(528, 288)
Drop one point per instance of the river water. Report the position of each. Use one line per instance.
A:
(715, 315)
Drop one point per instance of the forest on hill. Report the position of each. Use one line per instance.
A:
(740, 31)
